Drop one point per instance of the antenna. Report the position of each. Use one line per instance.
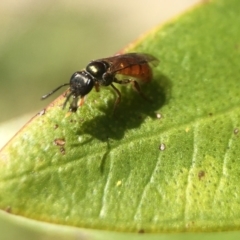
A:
(53, 91)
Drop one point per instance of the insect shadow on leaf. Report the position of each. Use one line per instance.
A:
(131, 113)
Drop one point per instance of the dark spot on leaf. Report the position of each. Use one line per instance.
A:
(162, 147)
(190, 224)
(59, 142)
(55, 126)
(8, 209)
(62, 150)
(236, 131)
(141, 231)
(210, 114)
(201, 174)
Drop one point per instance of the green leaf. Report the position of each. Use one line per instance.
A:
(166, 166)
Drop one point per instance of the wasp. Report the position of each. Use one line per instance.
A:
(104, 72)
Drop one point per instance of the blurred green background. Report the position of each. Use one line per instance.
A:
(43, 42)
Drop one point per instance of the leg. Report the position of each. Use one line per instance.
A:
(81, 102)
(118, 100)
(96, 85)
(135, 86)
(67, 99)
(74, 104)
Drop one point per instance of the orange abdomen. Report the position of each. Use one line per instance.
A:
(142, 72)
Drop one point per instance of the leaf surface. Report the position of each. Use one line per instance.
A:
(171, 165)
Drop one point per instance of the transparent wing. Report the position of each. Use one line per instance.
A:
(120, 62)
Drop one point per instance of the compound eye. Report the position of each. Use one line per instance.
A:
(97, 69)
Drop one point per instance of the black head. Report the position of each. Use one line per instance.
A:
(81, 83)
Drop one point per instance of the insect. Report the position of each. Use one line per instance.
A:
(103, 72)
